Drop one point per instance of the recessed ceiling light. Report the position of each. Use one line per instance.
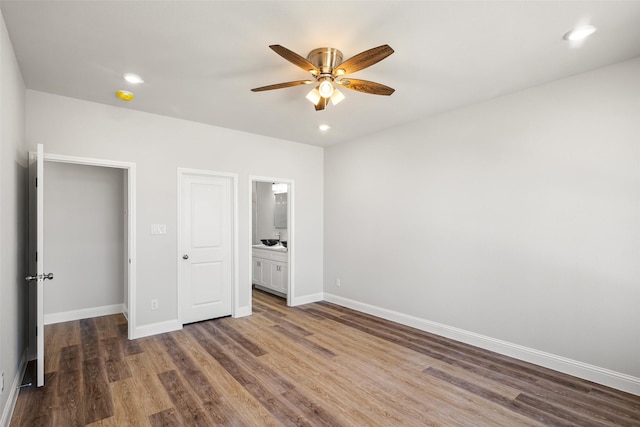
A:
(580, 33)
(324, 127)
(124, 95)
(133, 78)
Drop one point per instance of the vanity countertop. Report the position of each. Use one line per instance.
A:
(275, 248)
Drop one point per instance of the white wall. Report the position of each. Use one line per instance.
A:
(159, 145)
(517, 219)
(13, 227)
(84, 237)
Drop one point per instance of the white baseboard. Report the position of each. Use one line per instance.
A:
(578, 369)
(156, 328)
(271, 291)
(307, 299)
(7, 412)
(84, 313)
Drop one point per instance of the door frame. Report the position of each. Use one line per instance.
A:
(131, 222)
(233, 177)
(291, 247)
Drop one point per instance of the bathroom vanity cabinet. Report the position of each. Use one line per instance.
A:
(270, 270)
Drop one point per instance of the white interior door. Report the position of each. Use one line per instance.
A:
(205, 243)
(36, 251)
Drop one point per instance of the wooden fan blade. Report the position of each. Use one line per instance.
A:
(322, 104)
(363, 60)
(295, 59)
(283, 85)
(366, 87)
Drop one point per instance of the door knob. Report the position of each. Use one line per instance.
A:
(185, 256)
(39, 277)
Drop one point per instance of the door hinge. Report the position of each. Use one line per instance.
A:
(36, 181)
(36, 331)
(36, 256)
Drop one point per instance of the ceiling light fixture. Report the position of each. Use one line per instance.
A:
(326, 87)
(328, 69)
(324, 127)
(314, 96)
(124, 95)
(336, 97)
(580, 33)
(133, 78)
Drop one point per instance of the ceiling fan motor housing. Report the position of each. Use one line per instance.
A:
(325, 58)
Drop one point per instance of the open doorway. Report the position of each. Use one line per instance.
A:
(116, 183)
(124, 276)
(85, 241)
(272, 236)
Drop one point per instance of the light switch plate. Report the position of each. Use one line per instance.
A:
(158, 228)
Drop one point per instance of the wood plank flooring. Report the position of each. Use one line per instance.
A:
(316, 365)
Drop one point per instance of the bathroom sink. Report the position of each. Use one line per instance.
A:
(274, 248)
(269, 242)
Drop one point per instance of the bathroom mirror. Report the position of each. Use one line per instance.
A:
(280, 211)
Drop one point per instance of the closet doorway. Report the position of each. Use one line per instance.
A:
(89, 218)
(68, 207)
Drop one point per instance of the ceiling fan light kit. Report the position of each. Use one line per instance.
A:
(327, 69)
(325, 87)
(314, 96)
(336, 97)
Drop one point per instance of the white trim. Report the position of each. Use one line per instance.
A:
(291, 247)
(156, 328)
(578, 369)
(87, 161)
(307, 299)
(40, 184)
(12, 398)
(235, 307)
(125, 311)
(236, 250)
(83, 313)
(131, 223)
(243, 311)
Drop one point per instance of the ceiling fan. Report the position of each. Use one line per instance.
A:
(328, 70)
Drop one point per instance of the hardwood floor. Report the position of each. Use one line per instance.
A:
(316, 365)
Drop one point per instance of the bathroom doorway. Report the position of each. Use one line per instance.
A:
(272, 236)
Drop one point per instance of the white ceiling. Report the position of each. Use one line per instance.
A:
(199, 59)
